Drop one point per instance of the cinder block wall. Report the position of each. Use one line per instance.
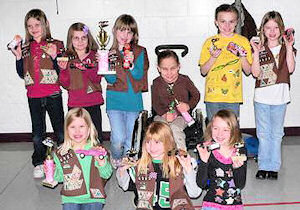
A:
(187, 22)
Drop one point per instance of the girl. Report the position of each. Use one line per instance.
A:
(36, 64)
(124, 90)
(224, 168)
(158, 175)
(83, 178)
(273, 62)
(171, 85)
(79, 75)
(223, 57)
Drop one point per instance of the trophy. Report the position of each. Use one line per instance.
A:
(49, 166)
(103, 39)
(187, 117)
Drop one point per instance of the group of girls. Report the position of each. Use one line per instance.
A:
(163, 178)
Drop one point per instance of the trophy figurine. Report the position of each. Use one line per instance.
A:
(103, 39)
(49, 166)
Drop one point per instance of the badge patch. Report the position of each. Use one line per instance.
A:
(49, 76)
(28, 80)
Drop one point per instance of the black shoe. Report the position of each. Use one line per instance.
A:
(272, 175)
(261, 174)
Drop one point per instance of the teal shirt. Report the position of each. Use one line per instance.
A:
(126, 100)
(105, 172)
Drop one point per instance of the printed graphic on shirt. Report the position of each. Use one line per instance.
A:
(72, 181)
(163, 196)
(49, 76)
(179, 202)
(28, 80)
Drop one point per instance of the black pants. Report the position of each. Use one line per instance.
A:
(38, 107)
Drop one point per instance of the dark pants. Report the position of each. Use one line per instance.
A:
(38, 107)
(96, 116)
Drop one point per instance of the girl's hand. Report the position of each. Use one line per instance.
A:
(185, 162)
(62, 64)
(289, 42)
(101, 162)
(215, 52)
(170, 117)
(255, 45)
(203, 152)
(237, 161)
(183, 107)
(17, 52)
(51, 50)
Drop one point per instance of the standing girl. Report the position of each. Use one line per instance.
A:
(79, 75)
(159, 174)
(36, 64)
(223, 57)
(273, 62)
(83, 178)
(124, 90)
(223, 171)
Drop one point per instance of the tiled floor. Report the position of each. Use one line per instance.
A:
(18, 190)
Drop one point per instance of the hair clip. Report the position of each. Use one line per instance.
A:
(85, 30)
(179, 152)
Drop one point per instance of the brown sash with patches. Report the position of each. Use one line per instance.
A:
(145, 185)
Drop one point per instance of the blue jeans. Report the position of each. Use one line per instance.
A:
(121, 124)
(83, 206)
(38, 107)
(269, 121)
(212, 108)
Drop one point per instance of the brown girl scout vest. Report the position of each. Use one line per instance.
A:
(121, 82)
(74, 184)
(48, 74)
(145, 185)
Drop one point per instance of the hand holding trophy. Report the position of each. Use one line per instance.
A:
(103, 40)
(49, 166)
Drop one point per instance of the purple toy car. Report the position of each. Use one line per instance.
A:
(92, 152)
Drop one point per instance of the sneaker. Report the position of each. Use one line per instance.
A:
(38, 172)
(261, 174)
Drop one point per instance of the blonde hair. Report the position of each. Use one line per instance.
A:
(40, 16)
(125, 22)
(272, 15)
(71, 115)
(231, 120)
(92, 45)
(160, 131)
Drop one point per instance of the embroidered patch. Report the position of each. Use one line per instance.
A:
(66, 166)
(179, 202)
(96, 193)
(72, 181)
(89, 90)
(49, 76)
(229, 200)
(142, 204)
(231, 191)
(267, 76)
(219, 172)
(152, 175)
(28, 80)
(145, 195)
(218, 199)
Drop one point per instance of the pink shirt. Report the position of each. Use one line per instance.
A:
(38, 90)
(80, 97)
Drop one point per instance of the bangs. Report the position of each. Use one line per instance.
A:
(153, 136)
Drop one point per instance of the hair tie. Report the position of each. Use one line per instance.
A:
(85, 30)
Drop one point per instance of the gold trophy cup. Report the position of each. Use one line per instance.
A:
(103, 39)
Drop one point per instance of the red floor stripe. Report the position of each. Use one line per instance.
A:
(267, 204)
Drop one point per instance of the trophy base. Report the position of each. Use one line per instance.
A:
(52, 184)
(106, 72)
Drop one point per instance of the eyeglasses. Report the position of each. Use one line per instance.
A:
(77, 39)
(224, 65)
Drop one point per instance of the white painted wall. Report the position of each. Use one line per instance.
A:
(187, 22)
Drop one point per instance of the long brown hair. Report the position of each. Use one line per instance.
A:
(160, 131)
(125, 22)
(231, 120)
(92, 45)
(272, 15)
(71, 115)
(40, 16)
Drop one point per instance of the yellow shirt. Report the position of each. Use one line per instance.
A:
(224, 79)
